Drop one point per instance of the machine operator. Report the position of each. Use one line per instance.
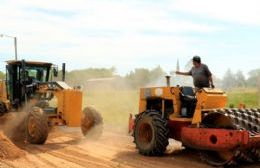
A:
(200, 73)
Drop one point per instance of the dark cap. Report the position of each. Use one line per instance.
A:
(196, 59)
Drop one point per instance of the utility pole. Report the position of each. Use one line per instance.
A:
(15, 44)
(15, 47)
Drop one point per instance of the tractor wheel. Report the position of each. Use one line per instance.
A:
(36, 126)
(151, 133)
(91, 122)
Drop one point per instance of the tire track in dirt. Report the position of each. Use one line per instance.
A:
(120, 148)
(7, 164)
(127, 157)
(85, 161)
(47, 162)
(77, 150)
(124, 153)
(68, 149)
(106, 149)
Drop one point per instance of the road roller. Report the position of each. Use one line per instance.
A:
(200, 119)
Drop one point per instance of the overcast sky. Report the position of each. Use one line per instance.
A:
(133, 33)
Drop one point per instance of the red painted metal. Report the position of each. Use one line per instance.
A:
(175, 128)
(214, 139)
(255, 141)
(207, 138)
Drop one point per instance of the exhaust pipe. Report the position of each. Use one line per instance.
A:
(168, 80)
(63, 71)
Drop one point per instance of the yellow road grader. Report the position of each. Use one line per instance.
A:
(30, 87)
(200, 120)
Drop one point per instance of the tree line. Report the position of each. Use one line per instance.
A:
(237, 79)
(141, 77)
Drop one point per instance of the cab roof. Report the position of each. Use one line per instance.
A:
(36, 63)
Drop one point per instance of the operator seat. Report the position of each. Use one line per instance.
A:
(188, 101)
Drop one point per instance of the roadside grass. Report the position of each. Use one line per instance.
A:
(247, 96)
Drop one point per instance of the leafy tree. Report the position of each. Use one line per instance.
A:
(240, 79)
(141, 76)
(138, 77)
(156, 73)
(229, 80)
(253, 79)
(80, 77)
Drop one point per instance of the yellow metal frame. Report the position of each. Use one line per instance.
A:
(69, 106)
(69, 100)
(3, 95)
(207, 99)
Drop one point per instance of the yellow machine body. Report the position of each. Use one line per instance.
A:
(65, 106)
(199, 119)
(207, 99)
(3, 95)
(68, 105)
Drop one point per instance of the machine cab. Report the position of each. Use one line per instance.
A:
(23, 74)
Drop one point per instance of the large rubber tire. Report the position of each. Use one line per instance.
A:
(151, 133)
(36, 126)
(91, 121)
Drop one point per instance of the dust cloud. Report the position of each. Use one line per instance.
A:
(13, 125)
(8, 150)
(114, 98)
(175, 80)
(12, 135)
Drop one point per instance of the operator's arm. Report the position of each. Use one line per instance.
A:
(183, 73)
(209, 76)
(189, 73)
(211, 82)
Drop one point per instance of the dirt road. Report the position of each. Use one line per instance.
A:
(67, 148)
